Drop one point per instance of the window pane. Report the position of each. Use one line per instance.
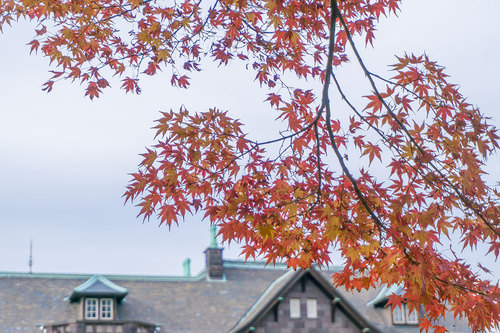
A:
(312, 308)
(294, 308)
(91, 308)
(411, 317)
(398, 314)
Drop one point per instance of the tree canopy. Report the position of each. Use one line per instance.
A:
(384, 185)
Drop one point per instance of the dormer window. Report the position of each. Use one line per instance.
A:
(98, 308)
(99, 298)
(403, 316)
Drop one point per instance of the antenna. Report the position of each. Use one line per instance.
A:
(30, 262)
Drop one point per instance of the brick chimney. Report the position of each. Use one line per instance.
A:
(213, 253)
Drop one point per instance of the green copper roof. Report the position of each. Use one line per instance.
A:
(98, 285)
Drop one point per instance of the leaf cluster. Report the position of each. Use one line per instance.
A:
(385, 188)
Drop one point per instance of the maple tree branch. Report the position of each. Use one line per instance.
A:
(384, 137)
(463, 199)
(190, 15)
(212, 9)
(345, 169)
(260, 31)
(147, 51)
(326, 106)
(432, 106)
(348, 174)
(353, 108)
(318, 157)
(426, 101)
(121, 13)
(459, 286)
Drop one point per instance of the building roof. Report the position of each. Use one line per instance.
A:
(98, 285)
(181, 304)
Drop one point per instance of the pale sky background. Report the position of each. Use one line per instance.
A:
(64, 159)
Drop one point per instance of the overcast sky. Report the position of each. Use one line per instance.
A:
(64, 159)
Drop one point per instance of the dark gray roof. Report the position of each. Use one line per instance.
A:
(192, 304)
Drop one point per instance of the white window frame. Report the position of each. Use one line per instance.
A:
(403, 316)
(104, 312)
(294, 307)
(98, 308)
(94, 310)
(312, 308)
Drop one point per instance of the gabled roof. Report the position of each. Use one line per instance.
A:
(265, 301)
(97, 286)
(282, 285)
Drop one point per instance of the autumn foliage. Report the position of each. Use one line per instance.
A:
(386, 187)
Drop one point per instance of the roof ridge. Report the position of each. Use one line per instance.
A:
(102, 279)
(256, 264)
(200, 275)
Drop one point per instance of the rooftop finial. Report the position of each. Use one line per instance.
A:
(30, 262)
(213, 237)
(187, 267)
